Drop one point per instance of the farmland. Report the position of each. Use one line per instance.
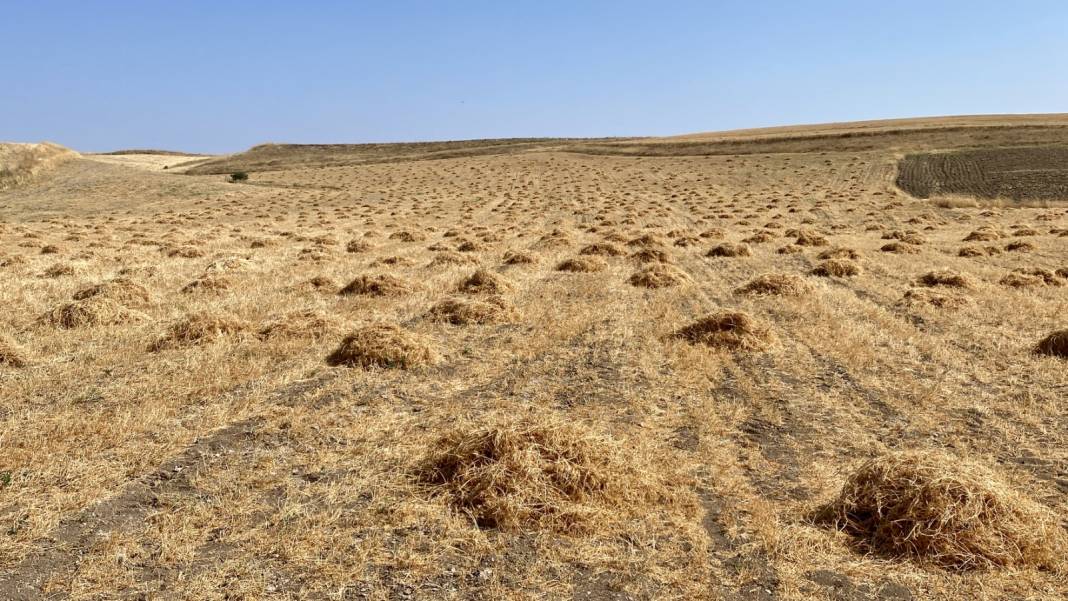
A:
(673, 368)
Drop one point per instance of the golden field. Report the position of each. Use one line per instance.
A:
(744, 366)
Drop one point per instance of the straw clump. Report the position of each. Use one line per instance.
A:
(377, 285)
(586, 264)
(484, 281)
(11, 354)
(935, 508)
(93, 311)
(538, 473)
(459, 311)
(1054, 345)
(659, 275)
(776, 284)
(383, 345)
(198, 329)
(839, 268)
(731, 330)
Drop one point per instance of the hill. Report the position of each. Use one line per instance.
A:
(20, 163)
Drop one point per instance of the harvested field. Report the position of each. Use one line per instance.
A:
(727, 366)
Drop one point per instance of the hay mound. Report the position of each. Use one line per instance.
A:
(520, 257)
(322, 283)
(900, 248)
(1047, 277)
(208, 283)
(947, 278)
(1054, 345)
(185, 252)
(602, 249)
(659, 275)
(11, 355)
(121, 290)
(582, 265)
(646, 241)
(940, 509)
(225, 264)
(839, 268)
(461, 312)
(307, 324)
(1021, 246)
(687, 241)
(838, 252)
(377, 285)
(759, 238)
(790, 249)
(807, 238)
(383, 345)
(198, 328)
(359, 246)
(731, 330)
(777, 284)
(652, 255)
(57, 270)
(1021, 280)
(729, 249)
(451, 257)
(983, 235)
(922, 296)
(543, 473)
(408, 236)
(93, 311)
(484, 281)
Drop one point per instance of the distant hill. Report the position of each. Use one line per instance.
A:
(896, 135)
(20, 163)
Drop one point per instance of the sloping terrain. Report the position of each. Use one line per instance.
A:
(542, 374)
(21, 163)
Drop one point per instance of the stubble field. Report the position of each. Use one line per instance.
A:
(539, 373)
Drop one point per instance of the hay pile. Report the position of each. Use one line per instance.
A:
(520, 257)
(732, 330)
(359, 246)
(197, 329)
(377, 285)
(652, 255)
(602, 249)
(937, 508)
(408, 236)
(808, 238)
(11, 355)
(922, 296)
(460, 312)
(484, 281)
(838, 252)
(93, 311)
(582, 265)
(121, 290)
(776, 284)
(383, 345)
(1020, 247)
(839, 268)
(659, 275)
(450, 258)
(1054, 345)
(208, 283)
(729, 249)
(947, 278)
(544, 473)
(900, 248)
(307, 324)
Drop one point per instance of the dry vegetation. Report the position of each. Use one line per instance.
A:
(747, 367)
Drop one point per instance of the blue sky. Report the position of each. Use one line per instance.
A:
(222, 76)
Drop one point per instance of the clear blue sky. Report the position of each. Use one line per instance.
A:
(224, 75)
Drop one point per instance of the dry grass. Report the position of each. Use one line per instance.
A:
(205, 449)
(838, 268)
(937, 508)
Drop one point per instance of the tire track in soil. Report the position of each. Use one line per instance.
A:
(59, 554)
